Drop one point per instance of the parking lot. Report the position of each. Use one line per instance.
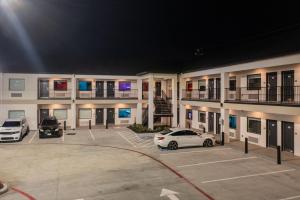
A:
(116, 163)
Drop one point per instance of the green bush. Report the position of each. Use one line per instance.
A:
(139, 128)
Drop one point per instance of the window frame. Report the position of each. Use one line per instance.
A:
(14, 79)
(249, 87)
(234, 87)
(253, 119)
(60, 110)
(85, 109)
(88, 89)
(235, 116)
(10, 111)
(124, 117)
(199, 118)
(187, 111)
(54, 84)
(200, 87)
(124, 82)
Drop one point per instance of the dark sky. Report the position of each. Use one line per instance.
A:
(129, 37)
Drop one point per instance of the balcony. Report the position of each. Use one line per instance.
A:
(210, 94)
(107, 94)
(280, 95)
(54, 94)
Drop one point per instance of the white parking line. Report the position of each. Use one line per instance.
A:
(126, 139)
(247, 176)
(219, 149)
(149, 142)
(218, 161)
(31, 139)
(92, 135)
(289, 198)
(63, 136)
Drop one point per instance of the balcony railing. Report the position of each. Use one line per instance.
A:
(265, 95)
(54, 94)
(210, 94)
(107, 94)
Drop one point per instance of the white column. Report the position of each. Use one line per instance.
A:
(73, 103)
(151, 103)
(182, 116)
(182, 110)
(174, 102)
(105, 115)
(224, 84)
(139, 109)
(225, 123)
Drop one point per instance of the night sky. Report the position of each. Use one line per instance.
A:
(129, 37)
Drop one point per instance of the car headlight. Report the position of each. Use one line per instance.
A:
(57, 129)
(41, 130)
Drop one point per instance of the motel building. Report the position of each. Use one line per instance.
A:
(258, 100)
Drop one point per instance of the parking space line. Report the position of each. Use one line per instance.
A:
(183, 152)
(63, 136)
(92, 135)
(247, 176)
(289, 198)
(218, 161)
(149, 142)
(31, 139)
(126, 139)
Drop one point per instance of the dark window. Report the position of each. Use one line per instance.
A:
(232, 85)
(178, 88)
(189, 86)
(178, 133)
(85, 86)
(232, 121)
(201, 117)
(61, 85)
(253, 82)
(165, 132)
(254, 125)
(202, 85)
(187, 132)
(11, 124)
(189, 114)
(49, 122)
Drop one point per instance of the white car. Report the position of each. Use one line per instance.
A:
(14, 130)
(178, 137)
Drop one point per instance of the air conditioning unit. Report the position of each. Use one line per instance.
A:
(16, 94)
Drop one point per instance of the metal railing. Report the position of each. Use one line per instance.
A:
(264, 95)
(209, 94)
(107, 94)
(54, 94)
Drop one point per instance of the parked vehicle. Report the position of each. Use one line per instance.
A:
(14, 129)
(177, 137)
(50, 127)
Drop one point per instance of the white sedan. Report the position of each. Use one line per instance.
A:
(177, 137)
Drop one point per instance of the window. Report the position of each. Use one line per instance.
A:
(145, 86)
(85, 85)
(254, 125)
(232, 84)
(189, 86)
(61, 85)
(16, 114)
(187, 132)
(201, 117)
(16, 84)
(124, 86)
(232, 121)
(201, 85)
(189, 114)
(85, 113)
(253, 82)
(11, 124)
(178, 133)
(124, 112)
(60, 114)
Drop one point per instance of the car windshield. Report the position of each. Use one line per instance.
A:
(11, 124)
(49, 122)
(164, 132)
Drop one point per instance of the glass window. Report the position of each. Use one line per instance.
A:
(124, 112)
(187, 132)
(11, 124)
(189, 86)
(189, 114)
(85, 113)
(145, 86)
(49, 122)
(61, 85)
(16, 114)
(232, 121)
(232, 85)
(201, 117)
(60, 114)
(254, 125)
(202, 85)
(253, 82)
(124, 86)
(16, 84)
(85, 85)
(178, 133)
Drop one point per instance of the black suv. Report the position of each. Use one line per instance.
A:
(50, 128)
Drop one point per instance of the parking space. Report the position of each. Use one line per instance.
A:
(82, 165)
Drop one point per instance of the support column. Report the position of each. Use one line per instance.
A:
(225, 123)
(224, 85)
(139, 109)
(182, 116)
(174, 102)
(151, 103)
(73, 104)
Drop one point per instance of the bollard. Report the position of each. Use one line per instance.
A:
(246, 145)
(278, 155)
(90, 124)
(106, 125)
(223, 139)
(65, 125)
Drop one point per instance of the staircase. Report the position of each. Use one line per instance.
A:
(163, 106)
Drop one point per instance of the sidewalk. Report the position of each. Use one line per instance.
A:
(270, 153)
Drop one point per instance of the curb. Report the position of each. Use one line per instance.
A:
(3, 188)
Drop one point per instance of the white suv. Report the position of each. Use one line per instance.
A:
(14, 130)
(178, 137)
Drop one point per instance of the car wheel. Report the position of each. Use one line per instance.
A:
(173, 145)
(208, 143)
(21, 137)
(27, 130)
